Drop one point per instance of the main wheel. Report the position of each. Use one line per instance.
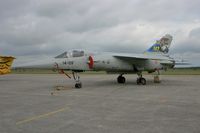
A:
(121, 80)
(143, 81)
(138, 81)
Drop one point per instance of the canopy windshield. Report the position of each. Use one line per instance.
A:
(69, 54)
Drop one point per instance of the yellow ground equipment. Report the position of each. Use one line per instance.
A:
(5, 64)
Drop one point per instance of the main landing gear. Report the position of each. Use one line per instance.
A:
(121, 79)
(141, 80)
(76, 77)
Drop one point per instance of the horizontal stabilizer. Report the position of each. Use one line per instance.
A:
(182, 62)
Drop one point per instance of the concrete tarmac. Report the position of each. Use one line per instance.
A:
(31, 104)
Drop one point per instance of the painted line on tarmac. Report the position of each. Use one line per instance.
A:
(41, 116)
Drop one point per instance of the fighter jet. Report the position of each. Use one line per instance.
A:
(5, 64)
(154, 59)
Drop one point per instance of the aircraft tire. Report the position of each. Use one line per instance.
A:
(121, 79)
(78, 85)
(143, 81)
(138, 81)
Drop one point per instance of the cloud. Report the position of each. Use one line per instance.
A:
(189, 43)
(49, 27)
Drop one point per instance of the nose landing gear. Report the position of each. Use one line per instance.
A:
(76, 77)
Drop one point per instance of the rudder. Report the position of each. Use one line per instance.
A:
(161, 45)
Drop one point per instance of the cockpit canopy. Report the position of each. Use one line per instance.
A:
(72, 53)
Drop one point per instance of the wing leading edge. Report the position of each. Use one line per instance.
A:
(140, 57)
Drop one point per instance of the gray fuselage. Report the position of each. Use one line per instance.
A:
(107, 62)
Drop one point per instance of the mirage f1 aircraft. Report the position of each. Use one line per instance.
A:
(154, 59)
(5, 64)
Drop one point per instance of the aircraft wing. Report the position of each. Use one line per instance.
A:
(140, 56)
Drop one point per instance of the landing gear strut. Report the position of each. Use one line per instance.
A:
(121, 79)
(76, 77)
(141, 80)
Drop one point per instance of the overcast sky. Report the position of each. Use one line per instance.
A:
(45, 28)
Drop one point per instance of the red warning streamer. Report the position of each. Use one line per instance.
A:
(60, 71)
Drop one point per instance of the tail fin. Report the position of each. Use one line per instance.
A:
(162, 45)
(5, 64)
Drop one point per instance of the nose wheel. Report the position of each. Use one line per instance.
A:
(78, 85)
(121, 79)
